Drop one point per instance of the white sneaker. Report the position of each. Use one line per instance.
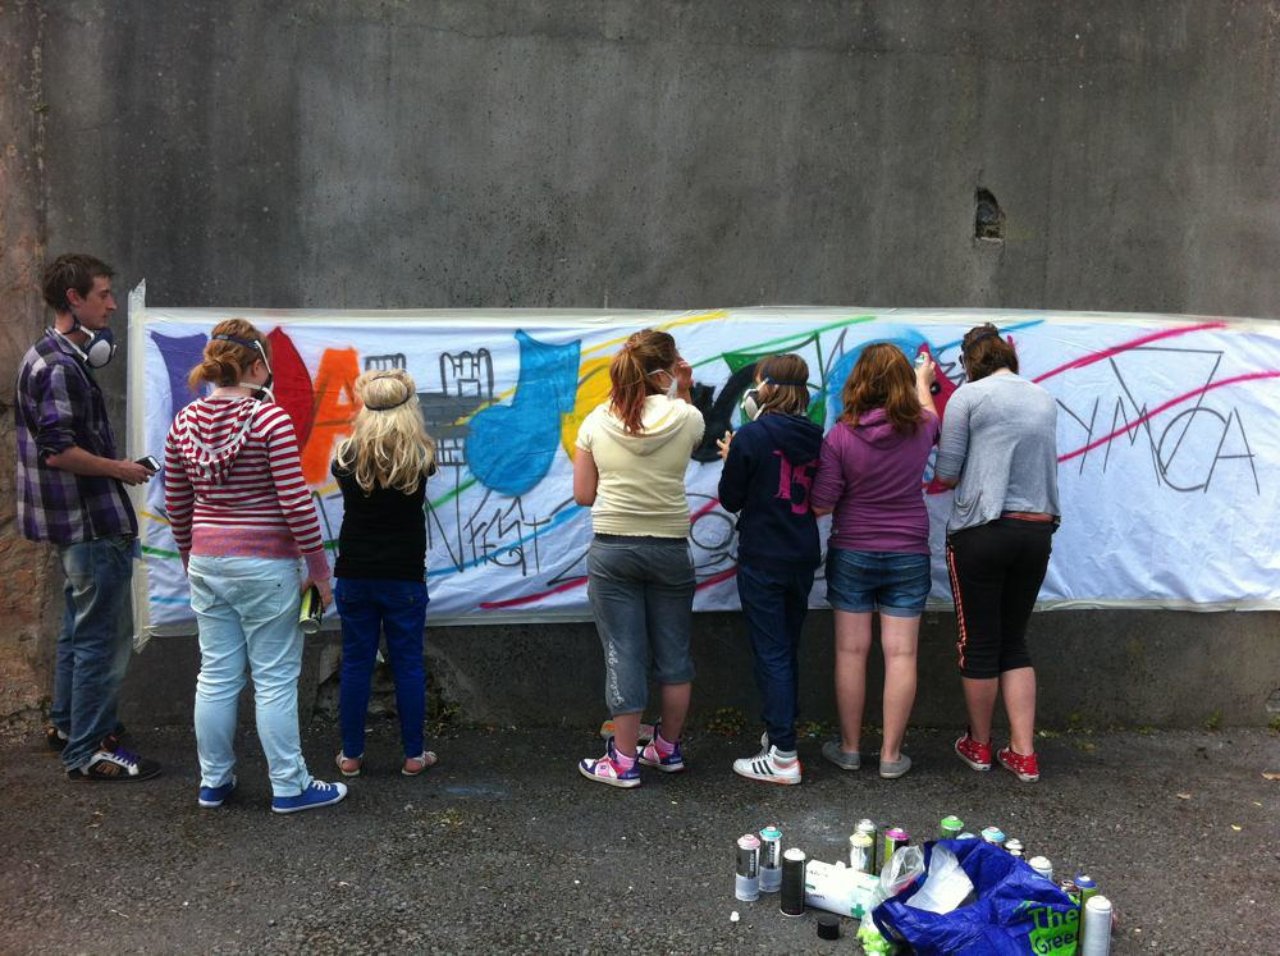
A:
(768, 767)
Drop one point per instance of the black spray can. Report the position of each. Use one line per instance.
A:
(791, 900)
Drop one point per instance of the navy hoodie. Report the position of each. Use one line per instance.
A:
(767, 476)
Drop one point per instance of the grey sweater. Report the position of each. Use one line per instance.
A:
(999, 437)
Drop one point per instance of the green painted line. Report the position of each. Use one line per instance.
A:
(445, 499)
(798, 336)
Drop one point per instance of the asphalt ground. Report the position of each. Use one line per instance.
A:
(503, 847)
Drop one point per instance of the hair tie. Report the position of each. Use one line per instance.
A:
(247, 343)
(387, 408)
(784, 383)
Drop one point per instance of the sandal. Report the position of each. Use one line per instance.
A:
(415, 765)
(349, 766)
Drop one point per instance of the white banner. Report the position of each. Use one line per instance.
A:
(1167, 433)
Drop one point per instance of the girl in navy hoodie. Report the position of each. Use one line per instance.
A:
(768, 468)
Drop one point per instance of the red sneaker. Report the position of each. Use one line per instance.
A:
(1026, 767)
(976, 755)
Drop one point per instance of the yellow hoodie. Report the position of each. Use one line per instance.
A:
(641, 490)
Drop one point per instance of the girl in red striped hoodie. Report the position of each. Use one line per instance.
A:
(242, 517)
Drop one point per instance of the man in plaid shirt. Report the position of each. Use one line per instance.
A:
(71, 494)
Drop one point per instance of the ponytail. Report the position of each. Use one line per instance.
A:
(630, 374)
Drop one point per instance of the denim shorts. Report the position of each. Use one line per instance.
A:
(894, 583)
(641, 595)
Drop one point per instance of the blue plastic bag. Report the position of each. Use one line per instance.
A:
(1017, 911)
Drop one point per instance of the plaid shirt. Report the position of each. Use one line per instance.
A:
(59, 405)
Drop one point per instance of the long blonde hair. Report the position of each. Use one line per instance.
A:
(390, 447)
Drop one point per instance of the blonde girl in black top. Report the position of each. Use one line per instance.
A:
(382, 470)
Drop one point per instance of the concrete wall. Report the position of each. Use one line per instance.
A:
(383, 153)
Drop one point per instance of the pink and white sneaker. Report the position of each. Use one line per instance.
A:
(608, 769)
(652, 756)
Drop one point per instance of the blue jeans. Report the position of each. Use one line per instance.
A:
(641, 595)
(775, 604)
(247, 613)
(93, 648)
(397, 609)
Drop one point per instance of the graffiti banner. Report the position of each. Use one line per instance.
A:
(1168, 440)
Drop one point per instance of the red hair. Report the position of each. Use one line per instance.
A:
(631, 374)
(883, 378)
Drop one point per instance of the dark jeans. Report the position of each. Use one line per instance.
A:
(775, 604)
(397, 609)
(94, 646)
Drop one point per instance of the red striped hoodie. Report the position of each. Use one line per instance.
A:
(233, 484)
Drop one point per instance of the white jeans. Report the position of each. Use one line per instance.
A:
(247, 613)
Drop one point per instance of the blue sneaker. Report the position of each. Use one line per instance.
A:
(317, 794)
(650, 756)
(211, 797)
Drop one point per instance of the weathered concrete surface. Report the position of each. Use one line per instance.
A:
(378, 153)
(504, 848)
(1162, 669)
(28, 596)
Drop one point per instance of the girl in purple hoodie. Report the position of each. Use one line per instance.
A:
(870, 475)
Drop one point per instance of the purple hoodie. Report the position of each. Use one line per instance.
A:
(873, 478)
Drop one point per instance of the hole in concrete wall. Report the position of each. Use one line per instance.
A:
(988, 217)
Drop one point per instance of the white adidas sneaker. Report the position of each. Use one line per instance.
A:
(768, 767)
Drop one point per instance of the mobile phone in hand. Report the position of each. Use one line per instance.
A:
(148, 462)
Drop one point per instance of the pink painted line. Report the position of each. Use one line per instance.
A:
(1127, 346)
(710, 505)
(717, 578)
(530, 598)
(1251, 377)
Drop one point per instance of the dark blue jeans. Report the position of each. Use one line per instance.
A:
(775, 604)
(397, 609)
(94, 647)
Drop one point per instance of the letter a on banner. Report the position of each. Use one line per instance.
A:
(336, 407)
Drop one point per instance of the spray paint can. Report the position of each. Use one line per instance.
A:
(770, 859)
(1042, 866)
(1095, 936)
(746, 881)
(1014, 847)
(791, 897)
(950, 828)
(993, 835)
(869, 828)
(1088, 888)
(311, 611)
(894, 839)
(1073, 892)
(862, 852)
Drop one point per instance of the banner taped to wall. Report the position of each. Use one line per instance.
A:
(1167, 433)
